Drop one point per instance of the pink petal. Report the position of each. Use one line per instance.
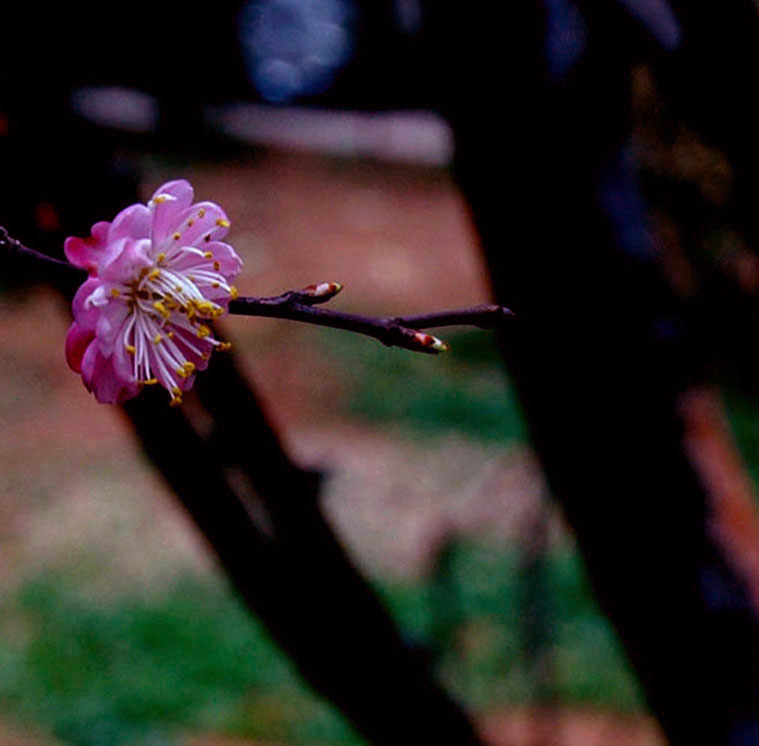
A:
(86, 252)
(166, 214)
(101, 379)
(77, 341)
(123, 362)
(200, 221)
(86, 316)
(230, 263)
(124, 259)
(110, 324)
(132, 222)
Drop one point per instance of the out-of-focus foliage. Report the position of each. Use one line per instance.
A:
(138, 669)
(463, 390)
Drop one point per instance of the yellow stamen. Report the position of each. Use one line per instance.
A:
(189, 368)
(115, 292)
(201, 213)
(157, 339)
(161, 257)
(131, 349)
(150, 382)
(190, 222)
(233, 292)
(177, 236)
(224, 346)
(222, 223)
(176, 401)
(155, 274)
(217, 265)
(208, 255)
(158, 305)
(203, 331)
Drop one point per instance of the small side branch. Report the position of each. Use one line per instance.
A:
(302, 305)
(399, 331)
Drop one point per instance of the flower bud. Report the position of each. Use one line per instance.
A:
(433, 343)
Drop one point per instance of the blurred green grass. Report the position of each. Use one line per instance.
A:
(464, 390)
(142, 668)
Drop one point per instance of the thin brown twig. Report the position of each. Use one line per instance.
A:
(301, 305)
(398, 331)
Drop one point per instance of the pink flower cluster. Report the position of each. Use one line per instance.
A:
(159, 273)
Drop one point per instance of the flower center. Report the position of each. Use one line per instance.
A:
(164, 332)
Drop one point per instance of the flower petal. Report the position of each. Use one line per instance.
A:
(200, 223)
(101, 379)
(230, 263)
(86, 315)
(124, 259)
(133, 222)
(86, 252)
(77, 341)
(110, 324)
(168, 203)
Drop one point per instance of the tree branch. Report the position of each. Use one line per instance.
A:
(300, 305)
(400, 331)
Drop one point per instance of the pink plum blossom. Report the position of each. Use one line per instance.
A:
(159, 273)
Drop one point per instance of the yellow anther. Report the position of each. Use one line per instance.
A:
(115, 292)
(150, 382)
(203, 331)
(131, 349)
(182, 373)
(158, 305)
(176, 391)
(224, 346)
(208, 254)
(201, 213)
(155, 274)
(159, 198)
(170, 335)
(177, 236)
(176, 401)
(222, 223)
(161, 257)
(189, 368)
(233, 292)
(217, 265)
(177, 288)
(206, 356)
(214, 285)
(157, 339)
(190, 222)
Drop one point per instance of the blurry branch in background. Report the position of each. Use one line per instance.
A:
(299, 305)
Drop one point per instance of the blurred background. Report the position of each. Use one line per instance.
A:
(116, 627)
